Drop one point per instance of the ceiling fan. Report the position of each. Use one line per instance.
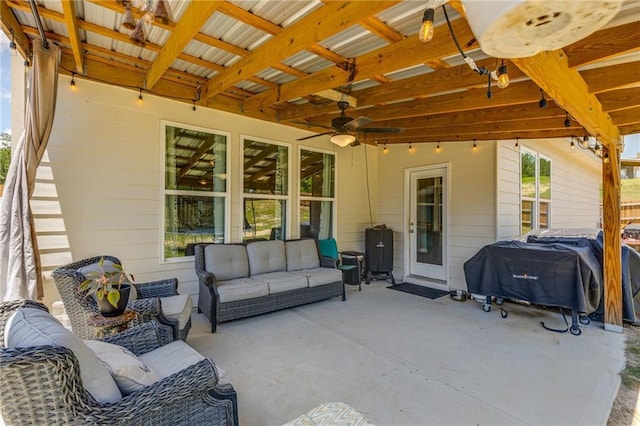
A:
(344, 129)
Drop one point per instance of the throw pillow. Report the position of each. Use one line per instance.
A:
(129, 372)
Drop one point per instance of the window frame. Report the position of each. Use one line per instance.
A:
(210, 194)
(244, 195)
(536, 201)
(333, 199)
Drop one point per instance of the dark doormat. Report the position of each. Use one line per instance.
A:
(418, 290)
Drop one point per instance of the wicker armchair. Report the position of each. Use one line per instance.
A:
(42, 385)
(148, 306)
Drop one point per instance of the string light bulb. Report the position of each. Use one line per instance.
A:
(72, 83)
(13, 47)
(543, 101)
(426, 30)
(475, 145)
(573, 144)
(503, 76)
(438, 147)
(517, 142)
(411, 148)
(385, 150)
(567, 120)
(140, 97)
(194, 105)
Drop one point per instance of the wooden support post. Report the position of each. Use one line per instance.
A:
(612, 259)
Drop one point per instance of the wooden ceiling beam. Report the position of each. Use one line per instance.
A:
(453, 136)
(193, 18)
(630, 129)
(614, 41)
(382, 30)
(70, 18)
(325, 21)
(626, 117)
(600, 79)
(10, 23)
(620, 99)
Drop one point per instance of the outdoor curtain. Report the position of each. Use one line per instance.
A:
(20, 276)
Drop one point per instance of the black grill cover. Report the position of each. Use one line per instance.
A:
(566, 276)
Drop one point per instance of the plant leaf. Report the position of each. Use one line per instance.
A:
(113, 297)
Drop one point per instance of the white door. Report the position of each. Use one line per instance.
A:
(427, 223)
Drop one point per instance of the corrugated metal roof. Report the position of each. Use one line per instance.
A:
(353, 41)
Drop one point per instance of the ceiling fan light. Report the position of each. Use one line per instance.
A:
(342, 139)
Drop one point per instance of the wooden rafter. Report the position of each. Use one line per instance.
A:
(196, 14)
(318, 25)
(69, 9)
(10, 24)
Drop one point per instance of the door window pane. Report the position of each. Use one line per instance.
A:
(429, 221)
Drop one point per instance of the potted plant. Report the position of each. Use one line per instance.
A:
(110, 286)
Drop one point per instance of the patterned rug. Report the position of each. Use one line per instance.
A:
(418, 290)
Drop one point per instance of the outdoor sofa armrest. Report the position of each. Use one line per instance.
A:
(191, 384)
(328, 262)
(143, 338)
(161, 288)
(150, 310)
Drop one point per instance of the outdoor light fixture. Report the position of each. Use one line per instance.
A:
(517, 142)
(503, 77)
(543, 100)
(13, 47)
(567, 120)
(343, 139)
(410, 148)
(72, 83)
(194, 105)
(128, 21)
(426, 30)
(438, 147)
(573, 145)
(137, 35)
(140, 97)
(475, 146)
(385, 150)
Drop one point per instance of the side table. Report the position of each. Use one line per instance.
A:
(108, 326)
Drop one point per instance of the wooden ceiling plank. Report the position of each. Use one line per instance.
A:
(325, 21)
(599, 79)
(631, 129)
(551, 72)
(626, 117)
(620, 99)
(382, 30)
(193, 18)
(10, 23)
(453, 136)
(613, 41)
(69, 9)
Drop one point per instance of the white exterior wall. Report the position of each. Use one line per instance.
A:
(99, 187)
(471, 207)
(575, 185)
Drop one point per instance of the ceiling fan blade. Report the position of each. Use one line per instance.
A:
(306, 123)
(381, 130)
(355, 143)
(314, 136)
(358, 122)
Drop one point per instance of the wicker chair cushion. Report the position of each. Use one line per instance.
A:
(266, 256)
(30, 327)
(282, 281)
(172, 358)
(241, 289)
(320, 276)
(226, 261)
(108, 266)
(129, 372)
(178, 307)
(302, 254)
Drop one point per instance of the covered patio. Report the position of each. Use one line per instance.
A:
(402, 359)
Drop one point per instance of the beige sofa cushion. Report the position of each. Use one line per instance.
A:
(34, 327)
(320, 276)
(241, 289)
(178, 307)
(266, 256)
(302, 254)
(226, 261)
(282, 281)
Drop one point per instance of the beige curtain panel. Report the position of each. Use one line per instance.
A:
(20, 272)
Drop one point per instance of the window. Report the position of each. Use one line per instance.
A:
(535, 191)
(317, 194)
(195, 188)
(266, 190)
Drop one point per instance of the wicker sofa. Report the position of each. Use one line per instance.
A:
(237, 281)
(49, 376)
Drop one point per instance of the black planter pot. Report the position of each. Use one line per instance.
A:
(108, 310)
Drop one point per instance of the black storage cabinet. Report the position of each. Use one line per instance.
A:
(378, 243)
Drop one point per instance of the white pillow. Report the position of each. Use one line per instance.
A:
(34, 327)
(129, 372)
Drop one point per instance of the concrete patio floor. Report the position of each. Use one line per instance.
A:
(402, 359)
